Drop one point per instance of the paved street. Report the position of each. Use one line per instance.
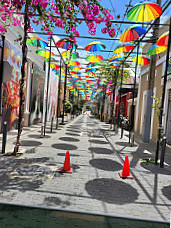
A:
(97, 155)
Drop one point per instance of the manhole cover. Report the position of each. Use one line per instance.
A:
(35, 171)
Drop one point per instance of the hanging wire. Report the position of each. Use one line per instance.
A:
(120, 24)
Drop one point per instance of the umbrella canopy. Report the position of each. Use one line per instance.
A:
(44, 52)
(132, 33)
(121, 48)
(91, 70)
(116, 56)
(93, 64)
(91, 73)
(94, 58)
(51, 59)
(75, 73)
(155, 49)
(70, 55)
(141, 60)
(95, 46)
(112, 65)
(37, 42)
(163, 39)
(55, 66)
(72, 62)
(74, 68)
(117, 59)
(65, 44)
(144, 11)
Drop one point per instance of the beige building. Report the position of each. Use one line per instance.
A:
(157, 91)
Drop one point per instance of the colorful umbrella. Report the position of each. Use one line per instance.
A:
(70, 55)
(155, 49)
(37, 42)
(75, 72)
(117, 59)
(95, 46)
(163, 39)
(91, 70)
(93, 64)
(91, 73)
(51, 60)
(74, 68)
(144, 11)
(121, 48)
(72, 62)
(44, 52)
(94, 58)
(112, 65)
(116, 56)
(90, 67)
(141, 60)
(55, 66)
(132, 33)
(66, 44)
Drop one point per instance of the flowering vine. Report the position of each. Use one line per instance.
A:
(57, 13)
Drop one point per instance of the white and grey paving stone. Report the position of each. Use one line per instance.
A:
(97, 154)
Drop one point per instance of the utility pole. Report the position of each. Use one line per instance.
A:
(1, 78)
(133, 93)
(47, 90)
(148, 105)
(24, 60)
(64, 94)
(59, 94)
(1, 71)
(162, 106)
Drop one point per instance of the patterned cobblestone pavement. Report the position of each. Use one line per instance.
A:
(97, 155)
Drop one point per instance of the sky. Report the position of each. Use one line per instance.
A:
(118, 8)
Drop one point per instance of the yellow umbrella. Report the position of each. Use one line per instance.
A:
(44, 52)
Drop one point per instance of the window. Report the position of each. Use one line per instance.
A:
(155, 73)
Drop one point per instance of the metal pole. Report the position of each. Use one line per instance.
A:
(133, 93)
(46, 100)
(103, 104)
(162, 104)
(4, 139)
(31, 88)
(22, 98)
(1, 71)
(120, 92)
(64, 94)
(59, 88)
(51, 127)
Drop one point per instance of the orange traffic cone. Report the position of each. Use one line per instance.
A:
(66, 168)
(126, 170)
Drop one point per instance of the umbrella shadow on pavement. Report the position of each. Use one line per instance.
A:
(62, 146)
(69, 139)
(105, 164)
(72, 134)
(53, 201)
(167, 192)
(156, 169)
(71, 155)
(38, 136)
(111, 191)
(10, 165)
(100, 150)
(29, 143)
(96, 136)
(125, 144)
(73, 130)
(97, 141)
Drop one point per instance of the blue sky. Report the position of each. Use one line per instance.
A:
(119, 7)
